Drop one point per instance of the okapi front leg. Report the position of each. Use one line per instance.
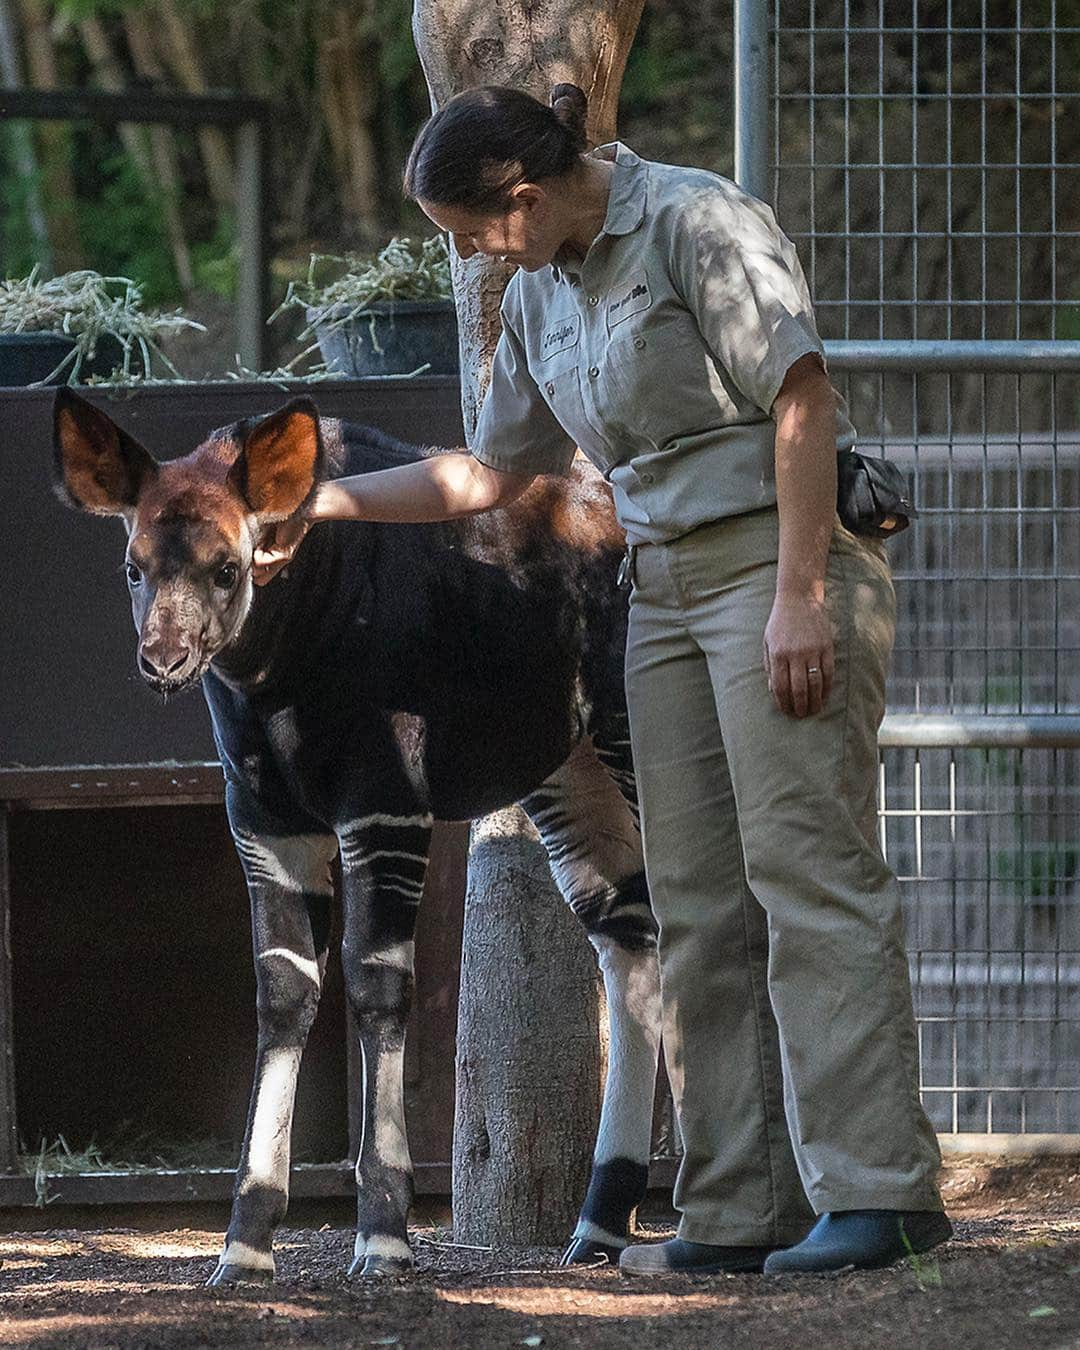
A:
(291, 890)
(587, 824)
(383, 862)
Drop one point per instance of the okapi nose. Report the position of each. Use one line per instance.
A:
(159, 666)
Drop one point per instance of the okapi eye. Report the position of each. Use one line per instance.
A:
(226, 576)
(134, 576)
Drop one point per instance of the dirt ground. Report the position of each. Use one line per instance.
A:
(1010, 1280)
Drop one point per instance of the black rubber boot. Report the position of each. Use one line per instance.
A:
(861, 1239)
(691, 1258)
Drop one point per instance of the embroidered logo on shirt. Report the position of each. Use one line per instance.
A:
(636, 298)
(562, 334)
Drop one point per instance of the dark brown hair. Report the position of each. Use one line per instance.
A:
(484, 142)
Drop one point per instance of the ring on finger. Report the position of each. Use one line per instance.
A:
(813, 670)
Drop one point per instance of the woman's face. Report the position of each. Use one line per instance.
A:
(528, 233)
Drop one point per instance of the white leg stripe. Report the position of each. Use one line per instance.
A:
(423, 822)
(268, 1153)
(594, 1233)
(379, 1245)
(410, 894)
(391, 1145)
(398, 957)
(632, 984)
(240, 1254)
(296, 863)
(387, 853)
(303, 964)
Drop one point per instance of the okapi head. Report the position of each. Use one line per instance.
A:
(192, 523)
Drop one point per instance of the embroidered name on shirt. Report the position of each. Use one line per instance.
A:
(636, 299)
(562, 334)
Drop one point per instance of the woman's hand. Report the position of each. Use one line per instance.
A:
(276, 546)
(798, 654)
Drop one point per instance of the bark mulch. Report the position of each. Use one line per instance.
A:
(1010, 1280)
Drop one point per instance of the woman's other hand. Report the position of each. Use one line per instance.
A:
(798, 653)
(276, 546)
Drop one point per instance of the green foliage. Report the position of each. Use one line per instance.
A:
(19, 249)
(123, 231)
(661, 64)
(398, 61)
(1041, 872)
(215, 262)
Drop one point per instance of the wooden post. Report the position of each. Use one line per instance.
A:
(9, 1137)
(528, 1061)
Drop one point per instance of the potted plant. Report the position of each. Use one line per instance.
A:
(387, 314)
(79, 326)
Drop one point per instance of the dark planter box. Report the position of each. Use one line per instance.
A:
(28, 358)
(393, 337)
(130, 992)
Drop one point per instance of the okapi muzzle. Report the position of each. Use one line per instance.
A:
(192, 523)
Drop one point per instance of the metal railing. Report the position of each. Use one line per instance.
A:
(918, 164)
(248, 117)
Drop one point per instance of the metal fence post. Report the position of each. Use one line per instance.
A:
(252, 298)
(752, 97)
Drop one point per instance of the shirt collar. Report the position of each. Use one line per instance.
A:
(626, 197)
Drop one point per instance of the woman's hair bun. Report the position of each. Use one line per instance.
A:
(571, 107)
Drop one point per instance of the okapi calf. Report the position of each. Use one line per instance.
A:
(390, 676)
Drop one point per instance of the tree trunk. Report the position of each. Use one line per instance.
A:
(162, 146)
(179, 51)
(528, 1067)
(54, 139)
(22, 142)
(528, 1070)
(348, 86)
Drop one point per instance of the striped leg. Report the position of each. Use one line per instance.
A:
(592, 840)
(288, 876)
(383, 862)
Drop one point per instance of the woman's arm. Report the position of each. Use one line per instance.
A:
(798, 637)
(441, 488)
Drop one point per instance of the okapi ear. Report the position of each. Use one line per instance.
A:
(280, 461)
(97, 466)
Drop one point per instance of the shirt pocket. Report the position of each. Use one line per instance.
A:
(663, 379)
(561, 391)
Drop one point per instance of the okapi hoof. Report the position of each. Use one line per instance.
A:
(227, 1273)
(380, 1267)
(588, 1252)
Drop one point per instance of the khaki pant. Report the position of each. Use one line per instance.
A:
(789, 1029)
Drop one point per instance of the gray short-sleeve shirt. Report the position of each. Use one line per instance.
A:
(659, 354)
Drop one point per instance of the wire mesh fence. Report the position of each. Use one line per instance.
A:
(925, 165)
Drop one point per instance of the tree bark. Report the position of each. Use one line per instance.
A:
(348, 92)
(179, 50)
(54, 140)
(22, 141)
(528, 1065)
(162, 147)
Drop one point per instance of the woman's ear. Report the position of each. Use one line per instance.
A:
(97, 466)
(280, 462)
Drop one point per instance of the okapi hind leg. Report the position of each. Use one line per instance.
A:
(291, 890)
(384, 863)
(594, 845)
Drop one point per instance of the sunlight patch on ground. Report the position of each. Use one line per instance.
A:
(550, 1300)
(107, 1325)
(96, 1285)
(135, 1245)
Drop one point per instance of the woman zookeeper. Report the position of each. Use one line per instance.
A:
(660, 321)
